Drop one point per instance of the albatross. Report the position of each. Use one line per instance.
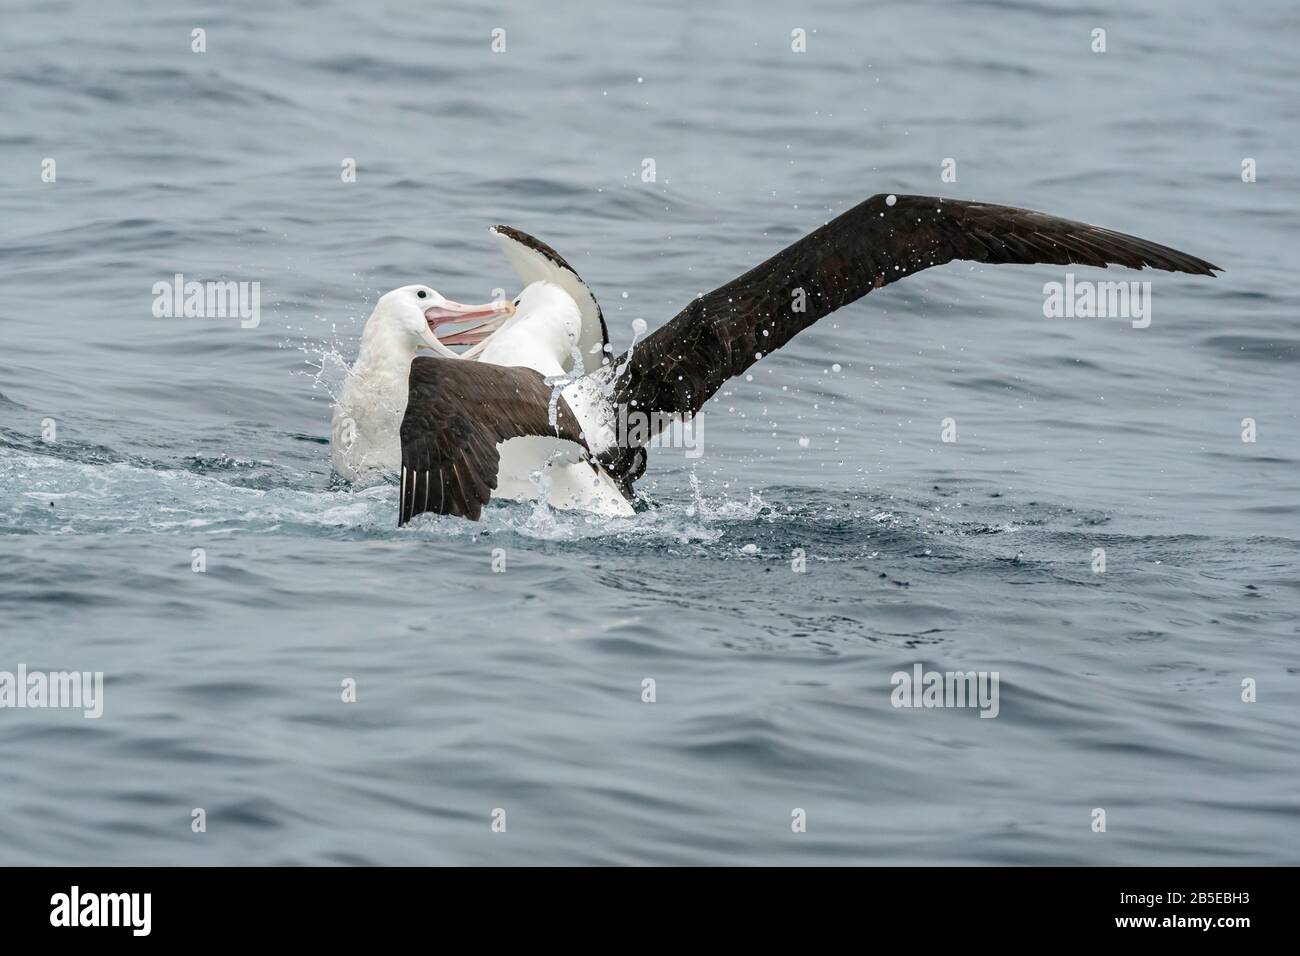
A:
(530, 409)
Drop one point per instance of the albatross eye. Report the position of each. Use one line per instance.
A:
(422, 294)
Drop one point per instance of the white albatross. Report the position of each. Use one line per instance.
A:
(531, 408)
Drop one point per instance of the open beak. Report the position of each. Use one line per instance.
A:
(493, 314)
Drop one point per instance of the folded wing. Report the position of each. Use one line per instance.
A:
(456, 414)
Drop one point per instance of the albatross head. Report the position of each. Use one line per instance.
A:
(412, 315)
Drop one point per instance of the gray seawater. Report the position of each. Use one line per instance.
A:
(522, 691)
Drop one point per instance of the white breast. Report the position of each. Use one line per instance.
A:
(541, 335)
(365, 440)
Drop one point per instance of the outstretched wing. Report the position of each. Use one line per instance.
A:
(719, 335)
(534, 261)
(456, 414)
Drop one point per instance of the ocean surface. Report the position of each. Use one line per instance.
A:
(826, 537)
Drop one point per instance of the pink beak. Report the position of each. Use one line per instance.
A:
(494, 313)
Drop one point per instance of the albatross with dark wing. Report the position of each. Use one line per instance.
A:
(527, 384)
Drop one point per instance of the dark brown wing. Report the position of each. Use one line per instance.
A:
(719, 335)
(456, 414)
